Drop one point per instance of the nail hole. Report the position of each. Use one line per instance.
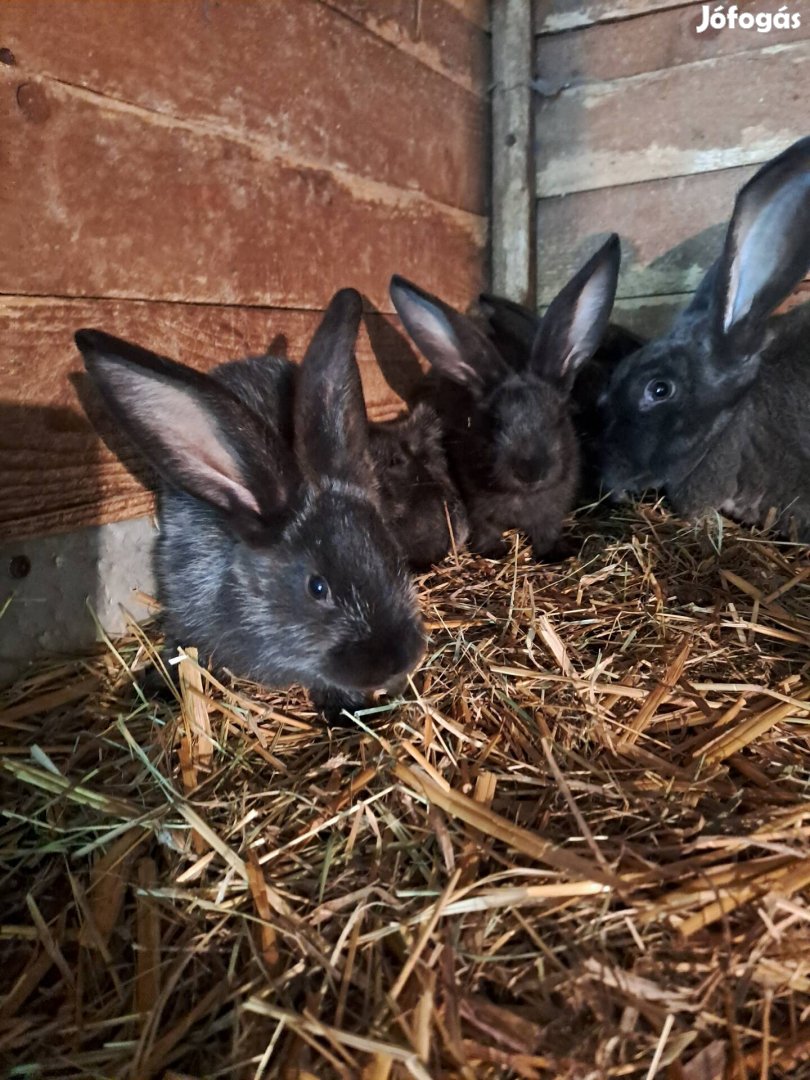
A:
(19, 567)
(33, 102)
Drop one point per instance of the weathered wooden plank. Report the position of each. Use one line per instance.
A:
(477, 11)
(511, 149)
(713, 114)
(55, 473)
(295, 75)
(113, 200)
(653, 315)
(649, 316)
(552, 16)
(665, 38)
(671, 231)
(438, 35)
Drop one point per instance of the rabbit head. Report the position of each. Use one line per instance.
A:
(512, 329)
(519, 417)
(686, 412)
(273, 556)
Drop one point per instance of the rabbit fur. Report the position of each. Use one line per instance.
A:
(419, 501)
(512, 329)
(509, 435)
(715, 413)
(273, 557)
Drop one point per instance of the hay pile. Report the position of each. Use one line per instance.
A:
(581, 848)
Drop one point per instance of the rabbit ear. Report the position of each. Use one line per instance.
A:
(510, 319)
(767, 248)
(331, 428)
(452, 342)
(577, 317)
(195, 433)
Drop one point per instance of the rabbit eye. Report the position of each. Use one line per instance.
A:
(317, 587)
(658, 390)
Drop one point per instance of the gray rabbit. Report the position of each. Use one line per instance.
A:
(716, 413)
(509, 434)
(512, 329)
(419, 500)
(273, 558)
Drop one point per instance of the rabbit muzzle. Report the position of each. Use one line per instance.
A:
(381, 663)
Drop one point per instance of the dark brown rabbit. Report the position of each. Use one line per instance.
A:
(419, 500)
(273, 557)
(509, 435)
(715, 413)
(512, 328)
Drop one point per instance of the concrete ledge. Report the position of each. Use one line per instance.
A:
(47, 584)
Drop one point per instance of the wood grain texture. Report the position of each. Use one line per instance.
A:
(512, 196)
(655, 41)
(699, 117)
(671, 231)
(552, 16)
(651, 316)
(55, 472)
(296, 76)
(111, 200)
(477, 11)
(646, 128)
(438, 34)
(201, 177)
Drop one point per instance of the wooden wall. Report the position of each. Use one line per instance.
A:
(201, 176)
(647, 128)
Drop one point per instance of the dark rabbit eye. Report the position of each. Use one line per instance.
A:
(317, 587)
(658, 390)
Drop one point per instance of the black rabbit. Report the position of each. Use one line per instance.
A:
(512, 329)
(509, 435)
(715, 413)
(419, 500)
(273, 558)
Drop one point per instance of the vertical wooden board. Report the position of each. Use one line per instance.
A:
(110, 201)
(671, 231)
(662, 39)
(294, 75)
(552, 16)
(438, 35)
(715, 114)
(511, 149)
(55, 473)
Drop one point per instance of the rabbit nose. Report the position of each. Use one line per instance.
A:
(397, 686)
(408, 656)
(529, 469)
(394, 688)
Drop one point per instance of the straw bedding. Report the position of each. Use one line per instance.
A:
(579, 849)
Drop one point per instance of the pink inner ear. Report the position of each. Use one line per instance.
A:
(588, 310)
(437, 340)
(188, 435)
(767, 239)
